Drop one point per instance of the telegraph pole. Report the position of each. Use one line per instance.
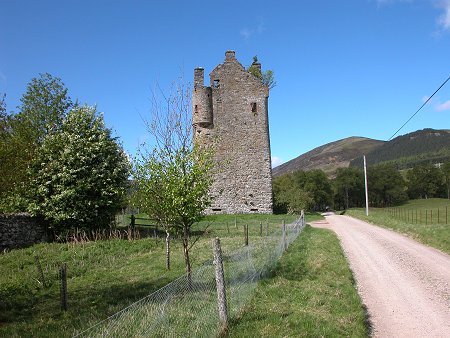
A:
(365, 184)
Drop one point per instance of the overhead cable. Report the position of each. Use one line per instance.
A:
(404, 124)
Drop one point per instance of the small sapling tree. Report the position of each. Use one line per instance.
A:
(267, 77)
(173, 175)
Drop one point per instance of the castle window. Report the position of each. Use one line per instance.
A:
(253, 107)
(216, 84)
(196, 109)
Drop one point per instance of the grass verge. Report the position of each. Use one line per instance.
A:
(436, 235)
(310, 293)
(104, 276)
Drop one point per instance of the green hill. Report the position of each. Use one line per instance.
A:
(407, 151)
(330, 156)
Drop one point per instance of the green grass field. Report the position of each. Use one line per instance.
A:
(103, 277)
(310, 293)
(417, 219)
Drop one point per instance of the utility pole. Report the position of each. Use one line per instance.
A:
(365, 184)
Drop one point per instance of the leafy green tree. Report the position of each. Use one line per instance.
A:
(14, 158)
(425, 181)
(348, 188)
(44, 105)
(289, 197)
(267, 77)
(446, 174)
(2, 109)
(302, 190)
(386, 186)
(42, 109)
(79, 177)
(173, 175)
(319, 188)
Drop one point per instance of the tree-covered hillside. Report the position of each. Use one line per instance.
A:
(410, 150)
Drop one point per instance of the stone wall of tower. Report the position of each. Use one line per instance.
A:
(238, 124)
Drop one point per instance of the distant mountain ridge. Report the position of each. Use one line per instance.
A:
(409, 150)
(330, 156)
(406, 151)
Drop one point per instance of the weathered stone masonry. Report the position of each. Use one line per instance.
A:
(233, 112)
(19, 231)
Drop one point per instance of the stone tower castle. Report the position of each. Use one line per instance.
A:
(233, 111)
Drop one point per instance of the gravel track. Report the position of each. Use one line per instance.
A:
(404, 284)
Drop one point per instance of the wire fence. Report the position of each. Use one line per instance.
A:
(188, 306)
(420, 216)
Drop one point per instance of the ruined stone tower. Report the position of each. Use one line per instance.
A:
(232, 112)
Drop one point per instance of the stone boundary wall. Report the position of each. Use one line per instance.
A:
(19, 231)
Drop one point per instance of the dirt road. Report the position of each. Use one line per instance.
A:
(404, 285)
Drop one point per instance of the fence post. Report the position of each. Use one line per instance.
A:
(284, 236)
(267, 228)
(426, 217)
(39, 270)
(168, 251)
(63, 288)
(431, 216)
(220, 285)
(446, 215)
(235, 222)
(228, 228)
(438, 216)
(246, 234)
(260, 228)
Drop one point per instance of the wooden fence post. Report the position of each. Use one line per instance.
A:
(168, 251)
(246, 234)
(220, 285)
(63, 288)
(260, 228)
(39, 270)
(228, 228)
(284, 236)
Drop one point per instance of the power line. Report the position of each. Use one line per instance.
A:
(404, 124)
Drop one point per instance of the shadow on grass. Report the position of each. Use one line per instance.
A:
(82, 303)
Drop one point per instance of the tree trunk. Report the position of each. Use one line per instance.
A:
(187, 261)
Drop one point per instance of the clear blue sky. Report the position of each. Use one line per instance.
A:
(343, 68)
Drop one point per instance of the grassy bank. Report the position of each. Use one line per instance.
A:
(103, 277)
(310, 293)
(409, 219)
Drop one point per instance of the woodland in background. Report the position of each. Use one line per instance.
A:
(313, 190)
